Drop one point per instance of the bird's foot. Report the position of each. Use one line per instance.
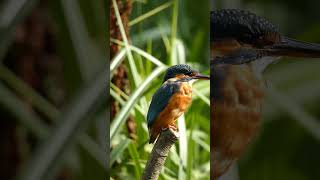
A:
(172, 127)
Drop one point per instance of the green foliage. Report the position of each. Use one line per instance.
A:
(65, 140)
(158, 40)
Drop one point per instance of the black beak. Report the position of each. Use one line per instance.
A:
(294, 48)
(287, 47)
(201, 76)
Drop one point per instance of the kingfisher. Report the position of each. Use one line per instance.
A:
(242, 45)
(172, 99)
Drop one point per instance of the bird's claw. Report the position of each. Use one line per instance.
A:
(172, 127)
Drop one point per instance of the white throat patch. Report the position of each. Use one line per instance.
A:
(261, 64)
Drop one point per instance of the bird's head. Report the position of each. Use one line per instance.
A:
(242, 37)
(183, 72)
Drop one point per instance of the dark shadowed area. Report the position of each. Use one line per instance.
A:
(53, 89)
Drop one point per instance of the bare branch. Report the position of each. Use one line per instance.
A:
(159, 154)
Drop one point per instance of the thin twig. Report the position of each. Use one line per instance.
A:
(159, 154)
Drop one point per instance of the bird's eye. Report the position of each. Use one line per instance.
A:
(191, 74)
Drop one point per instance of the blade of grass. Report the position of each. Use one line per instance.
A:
(201, 96)
(39, 103)
(12, 13)
(147, 56)
(141, 52)
(82, 43)
(141, 1)
(135, 76)
(300, 97)
(117, 97)
(33, 123)
(191, 150)
(133, 68)
(174, 156)
(183, 147)
(122, 102)
(165, 40)
(135, 156)
(27, 92)
(123, 114)
(149, 51)
(74, 118)
(174, 27)
(141, 64)
(200, 142)
(118, 58)
(150, 13)
(295, 111)
(121, 94)
(18, 108)
(118, 150)
(203, 88)
(146, 35)
(179, 48)
(93, 149)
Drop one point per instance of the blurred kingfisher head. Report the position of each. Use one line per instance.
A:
(172, 99)
(239, 36)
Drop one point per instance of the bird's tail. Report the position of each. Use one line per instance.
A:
(153, 135)
(152, 138)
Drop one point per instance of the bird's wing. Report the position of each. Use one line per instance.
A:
(160, 100)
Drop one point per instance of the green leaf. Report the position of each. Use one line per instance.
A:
(12, 13)
(18, 108)
(150, 13)
(133, 68)
(296, 112)
(135, 156)
(118, 150)
(123, 114)
(74, 118)
(183, 147)
(90, 60)
(27, 92)
(117, 59)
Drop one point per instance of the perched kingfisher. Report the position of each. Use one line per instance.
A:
(242, 45)
(172, 99)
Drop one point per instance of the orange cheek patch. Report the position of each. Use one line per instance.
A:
(224, 47)
(180, 76)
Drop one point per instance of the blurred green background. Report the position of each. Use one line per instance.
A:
(156, 35)
(53, 89)
(288, 145)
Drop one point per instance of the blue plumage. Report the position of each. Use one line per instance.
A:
(160, 100)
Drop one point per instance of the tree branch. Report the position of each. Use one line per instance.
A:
(159, 154)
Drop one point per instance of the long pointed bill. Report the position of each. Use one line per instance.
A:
(201, 76)
(293, 48)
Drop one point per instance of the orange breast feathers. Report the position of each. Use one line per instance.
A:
(235, 117)
(178, 104)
